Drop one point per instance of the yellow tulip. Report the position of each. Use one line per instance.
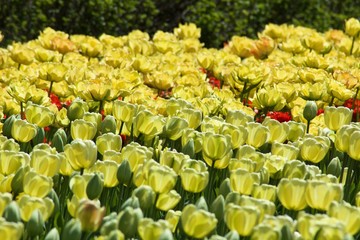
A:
(167, 200)
(335, 118)
(81, 153)
(78, 184)
(274, 164)
(264, 191)
(39, 115)
(173, 217)
(174, 127)
(194, 176)
(124, 111)
(243, 163)
(84, 130)
(22, 54)
(319, 194)
(52, 71)
(161, 178)
(258, 134)
(108, 141)
(238, 134)
(216, 150)
(241, 219)
(10, 162)
(294, 169)
(263, 231)
(188, 30)
(287, 151)
(238, 117)
(11, 230)
(352, 27)
(173, 159)
(269, 98)
(354, 145)
(249, 152)
(197, 223)
(278, 131)
(65, 167)
(44, 162)
(342, 140)
(90, 215)
(313, 150)
(6, 183)
(90, 46)
(148, 124)
(192, 116)
(109, 170)
(148, 229)
(296, 130)
(291, 193)
(243, 182)
(23, 131)
(28, 204)
(37, 185)
(135, 154)
(77, 109)
(347, 214)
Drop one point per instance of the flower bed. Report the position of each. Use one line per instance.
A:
(161, 138)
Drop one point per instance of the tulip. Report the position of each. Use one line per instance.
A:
(168, 200)
(78, 185)
(39, 115)
(129, 219)
(274, 164)
(72, 230)
(263, 231)
(294, 169)
(90, 215)
(244, 163)
(28, 204)
(258, 134)
(94, 186)
(148, 124)
(216, 150)
(173, 159)
(291, 193)
(37, 185)
(319, 194)
(241, 219)
(161, 178)
(264, 191)
(249, 152)
(124, 111)
(22, 54)
(335, 118)
(238, 118)
(5, 199)
(45, 163)
(347, 214)
(287, 151)
(23, 131)
(11, 212)
(145, 195)
(242, 181)
(81, 153)
(77, 109)
(10, 162)
(53, 234)
(238, 134)
(278, 131)
(197, 223)
(354, 145)
(192, 116)
(296, 130)
(310, 110)
(194, 135)
(81, 129)
(194, 176)
(148, 229)
(313, 150)
(173, 217)
(108, 141)
(174, 127)
(269, 98)
(135, 154)
(35, 225)
(342, 140)
(11, 230)
(352, 27)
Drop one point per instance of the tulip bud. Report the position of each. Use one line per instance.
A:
(94, 187)
(6, 130)
(108, 125)
(12, 212)
(241, 219)
(189, 148)
(310, 110)
(17, 184)
(132, 202)
(90, 215)
(108, 141)
(168, 200)
(81, 129)
(352, 27)
(124, 174)
(225, 187)
(59, 140)
(129, 219)
(72, 230)
(53, 234)
(35, 225)
(108, 226)
(77, 109)
(218, 207)
(39, 137)
(334, 167)
(146, 196)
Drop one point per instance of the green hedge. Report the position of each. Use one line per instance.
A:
(22, 20)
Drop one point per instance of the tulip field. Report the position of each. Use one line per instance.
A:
(158, 137)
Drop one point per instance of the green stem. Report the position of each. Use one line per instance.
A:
(121, 127)
(22, 115)
(352, 45)
(51, 85)
(345, 161)
(348, 180)
(308, 127)
(101, 103)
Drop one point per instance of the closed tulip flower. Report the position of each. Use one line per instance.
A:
(81, 129)
(23, 131)
(37, 185)
(135, 154)
(347, 214)
(90, 215)
(162, 179)
(244, 163)
(109, 170)
(39, 115)
(6, 183)
(194, 176)
(294, 169)
(319, 194)
(241, 219)
(278, 131)
(173, 159)
(217, 150)
(296, 130)
(77, 109)
(313, 150)
(148, 229)
(192, 116)
(168, 200)
(148, 124)
(335, 118)
(174, 127)
(197, 223)
(352, 27)
(22, 54)
(238, 118)
(124, 111)
(264, 191)
(354, 145)
(342, 140)
(287, 151)
(291, 193)
(44, 162)
(78, 185)
(28, 204)
(10, 162)
(128, 220)
(173, 217)
(81, 153)
(242, 181)
(108, 141)
(238, 134)
(258, 134)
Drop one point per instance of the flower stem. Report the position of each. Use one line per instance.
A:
(352, 45)
(50, 88)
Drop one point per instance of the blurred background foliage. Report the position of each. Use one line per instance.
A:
(22, 20)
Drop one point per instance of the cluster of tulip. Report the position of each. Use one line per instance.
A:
(131, 137)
